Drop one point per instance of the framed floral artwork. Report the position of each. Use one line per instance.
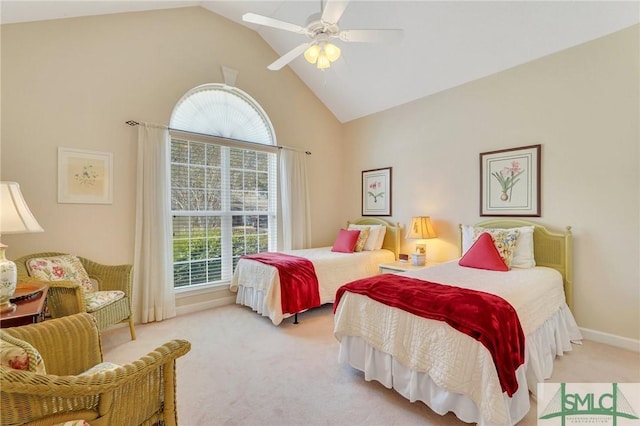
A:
(376, 192)
(510, 182)
(85, 176)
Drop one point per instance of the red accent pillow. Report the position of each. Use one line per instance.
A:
(483, 254)
(346, 241)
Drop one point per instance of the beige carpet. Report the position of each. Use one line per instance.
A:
(244, 371)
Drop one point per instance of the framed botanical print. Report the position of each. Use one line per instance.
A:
(510, 182)
(376, 192)
(85, 176)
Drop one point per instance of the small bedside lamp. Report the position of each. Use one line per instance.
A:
(15, 218)
(420, 229)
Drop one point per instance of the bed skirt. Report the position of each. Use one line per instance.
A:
(551, 339)
(256, 300)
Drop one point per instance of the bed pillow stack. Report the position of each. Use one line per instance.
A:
(522, 255)
(375, 238)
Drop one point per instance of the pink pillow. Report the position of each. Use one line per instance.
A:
(346, 241)
(483, 254)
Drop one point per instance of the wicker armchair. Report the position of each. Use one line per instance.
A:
(67, 297)
(140, 393)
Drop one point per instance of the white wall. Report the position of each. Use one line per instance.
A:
(582, 106)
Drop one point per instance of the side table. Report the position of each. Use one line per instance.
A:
(28, 311)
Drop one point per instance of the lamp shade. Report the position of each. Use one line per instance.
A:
(421, 228)
(332, 51)
(323, 61)
(312, 53)
(15, 216)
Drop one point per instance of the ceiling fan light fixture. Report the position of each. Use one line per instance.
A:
(312, 53)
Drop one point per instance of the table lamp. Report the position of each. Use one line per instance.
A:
(420, 229)
(15, 218)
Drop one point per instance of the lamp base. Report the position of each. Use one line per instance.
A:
(8, 279)
(7, 307)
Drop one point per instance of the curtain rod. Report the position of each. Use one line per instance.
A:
(135, 123)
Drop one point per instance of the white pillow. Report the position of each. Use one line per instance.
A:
(381, 234)
(523, 254)
(467, 238)
(372, 239)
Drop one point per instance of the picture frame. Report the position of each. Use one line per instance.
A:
(510, 182)
(376, 192)
(85, 177)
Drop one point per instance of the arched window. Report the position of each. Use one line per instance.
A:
(223, 183)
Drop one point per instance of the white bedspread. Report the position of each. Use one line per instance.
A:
(258, 285)
(451, 361)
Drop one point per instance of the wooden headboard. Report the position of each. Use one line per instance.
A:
(392, 236)
(550, 249)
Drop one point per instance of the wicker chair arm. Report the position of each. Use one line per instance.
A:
(21, 381)
(65, 298)
(109, 277)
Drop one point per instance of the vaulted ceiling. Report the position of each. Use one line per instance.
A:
(445, 43)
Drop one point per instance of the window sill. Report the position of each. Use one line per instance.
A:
(181, 292)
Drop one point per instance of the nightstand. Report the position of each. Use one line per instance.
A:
(394, 267)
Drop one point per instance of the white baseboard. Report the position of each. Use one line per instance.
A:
(196, 307)
(611, 339)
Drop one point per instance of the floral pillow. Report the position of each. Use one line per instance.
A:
(362, 238)
(20, 355)
(60, 268)
(504, 239)
(98, 299)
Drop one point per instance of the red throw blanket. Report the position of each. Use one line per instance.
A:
(486, 317)
(298, 281)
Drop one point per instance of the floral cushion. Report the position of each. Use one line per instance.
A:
(362, 239)
(98, 299)
(74, 423)
(100, 368)
(60, 268)
(504, 239)
(20, 355)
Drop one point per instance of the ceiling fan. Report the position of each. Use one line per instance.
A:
(321, 28)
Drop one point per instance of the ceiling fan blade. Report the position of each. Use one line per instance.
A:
(289, 56)
(333, 10)
(367, 36)
(274, 23)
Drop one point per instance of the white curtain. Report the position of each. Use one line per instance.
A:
(296, 215)
(154, 298)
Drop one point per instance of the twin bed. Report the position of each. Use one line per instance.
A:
(430, 361)
(258, 284)
(447, 364)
